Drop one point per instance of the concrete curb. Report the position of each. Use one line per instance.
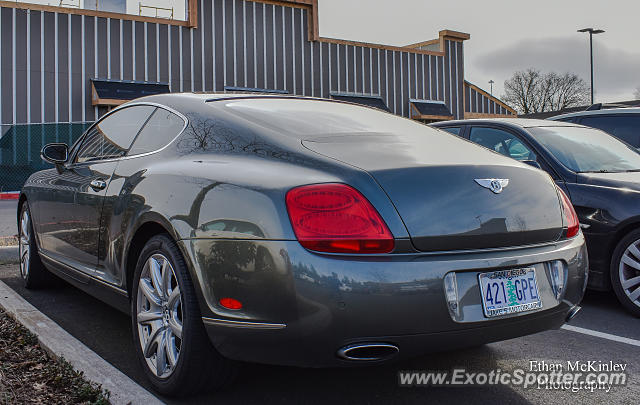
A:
(59, 343)
(9, 254)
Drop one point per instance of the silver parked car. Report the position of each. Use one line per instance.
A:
(297, 231)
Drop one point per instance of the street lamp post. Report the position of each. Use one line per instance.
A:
(591, 32)
(491, 84)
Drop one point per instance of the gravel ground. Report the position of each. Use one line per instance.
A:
(8, 240)
(29, 376)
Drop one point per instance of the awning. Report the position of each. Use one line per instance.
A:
(429, 110)
(116, 92)
(364, 99)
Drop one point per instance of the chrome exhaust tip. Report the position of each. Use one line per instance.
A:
(573, 312)
(368, 351)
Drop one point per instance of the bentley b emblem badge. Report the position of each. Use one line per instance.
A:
(495, 185)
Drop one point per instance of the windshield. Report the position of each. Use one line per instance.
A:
(587, 150)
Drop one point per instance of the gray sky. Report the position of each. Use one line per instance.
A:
(507, 35)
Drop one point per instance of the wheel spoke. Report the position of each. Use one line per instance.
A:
(24, 224)
(171, 350)
(149, 292)
(149, 316)
(152, 339)
(635, 295)
(176, 326)
(629, 261)
(167, 273)
(156, 277)
(174, 298)
(634, 251)
(631, 282)
(161, 354)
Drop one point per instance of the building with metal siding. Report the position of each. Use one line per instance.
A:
(48, 56)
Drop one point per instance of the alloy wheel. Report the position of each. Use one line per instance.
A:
(24, 242)
(159, 316)
(629, 271)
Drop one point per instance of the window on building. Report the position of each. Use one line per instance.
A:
(112, 136)
(159, 131)
(623, 126)
(502, 142)
(169, 9)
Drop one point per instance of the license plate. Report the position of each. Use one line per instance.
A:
(509, 291)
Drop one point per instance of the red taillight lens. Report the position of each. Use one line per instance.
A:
(231, 303)
(573, 226)
(336, 218)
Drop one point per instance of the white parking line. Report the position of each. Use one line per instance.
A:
(629, 341)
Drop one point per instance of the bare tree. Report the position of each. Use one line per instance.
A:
(530, 91)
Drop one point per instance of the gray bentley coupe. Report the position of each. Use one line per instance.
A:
(297, 231)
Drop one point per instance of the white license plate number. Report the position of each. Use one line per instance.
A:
(507, 292)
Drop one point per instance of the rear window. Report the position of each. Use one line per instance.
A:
(623, 126)
(308, 119)
(160, 130)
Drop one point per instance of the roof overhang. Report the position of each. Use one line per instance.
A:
(370, 100)
(429, 110)
(112, 93)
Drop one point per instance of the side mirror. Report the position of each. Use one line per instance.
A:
(56, 153)
(532, 163)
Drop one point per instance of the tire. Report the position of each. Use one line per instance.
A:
(33, 273)
(188, 364)
(625, 272)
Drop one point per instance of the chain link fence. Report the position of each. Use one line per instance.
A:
(20, 147)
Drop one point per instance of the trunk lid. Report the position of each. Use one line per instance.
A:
(431, 181)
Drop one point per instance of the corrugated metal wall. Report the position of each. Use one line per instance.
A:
(48, 58)
(478, 102)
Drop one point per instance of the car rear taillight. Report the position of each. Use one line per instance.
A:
(573, 226)
(336, 218)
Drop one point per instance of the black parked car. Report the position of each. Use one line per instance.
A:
(600, 173)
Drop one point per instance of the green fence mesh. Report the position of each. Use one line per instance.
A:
(20, 147)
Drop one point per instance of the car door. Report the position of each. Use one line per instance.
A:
(511, 144)
(69, 215)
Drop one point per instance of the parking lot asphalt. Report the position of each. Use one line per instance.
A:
(8, 225)
(107, 332)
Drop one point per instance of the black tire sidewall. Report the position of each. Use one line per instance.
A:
(615, 274)
(37, 273)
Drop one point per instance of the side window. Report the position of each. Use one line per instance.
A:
(502, 142)
(112, 136)
(162, 128)
(623, 126)
(453, 130)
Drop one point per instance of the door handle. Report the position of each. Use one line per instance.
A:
(98, 185)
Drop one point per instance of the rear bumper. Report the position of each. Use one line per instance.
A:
(300, 307)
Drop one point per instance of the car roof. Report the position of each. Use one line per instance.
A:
(608, 111)
(514, 122)
(183, 102)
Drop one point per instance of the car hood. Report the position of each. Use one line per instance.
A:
(625, 180)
